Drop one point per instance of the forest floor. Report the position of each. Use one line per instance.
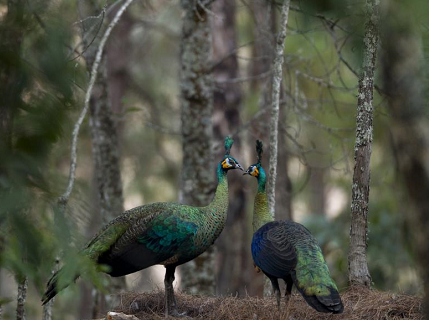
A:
(359, 303)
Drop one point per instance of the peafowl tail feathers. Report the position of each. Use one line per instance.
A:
(54, 286)
(313, 280)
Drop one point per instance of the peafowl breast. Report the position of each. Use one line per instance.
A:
(286, 250)
(169, 234)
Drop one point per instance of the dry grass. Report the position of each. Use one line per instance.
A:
(359, 303)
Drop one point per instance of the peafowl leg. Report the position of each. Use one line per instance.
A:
(170, 299)
(276, 290)
(289, 283)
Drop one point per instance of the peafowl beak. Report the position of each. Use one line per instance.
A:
(238, 166)
(246, 172)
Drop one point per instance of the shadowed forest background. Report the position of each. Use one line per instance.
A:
(138, 152)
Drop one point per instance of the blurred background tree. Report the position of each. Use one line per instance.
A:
(43, 82)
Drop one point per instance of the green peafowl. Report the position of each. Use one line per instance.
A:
(163, 233)
(287, 250)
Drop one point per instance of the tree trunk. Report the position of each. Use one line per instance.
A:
(118, 59)
(358, 266)
(404, 83)
(105, 152)
(233, 249)
(275, 102)
(196, 114)
(22, 296)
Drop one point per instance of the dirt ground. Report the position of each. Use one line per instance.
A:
(359, 303)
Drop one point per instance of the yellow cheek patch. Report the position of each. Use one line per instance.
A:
(225, 164)
(255, 172)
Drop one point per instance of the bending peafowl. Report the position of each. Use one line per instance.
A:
(287, 250)
(163, 233)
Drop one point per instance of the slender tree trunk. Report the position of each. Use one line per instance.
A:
(233, 249)
(275, 102)
(358, 266)
(404, 83)
(277, 69)
(196, 114)
(22, 296)
(118, 59)
(105, 151)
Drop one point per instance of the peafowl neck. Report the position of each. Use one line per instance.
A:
(220, 201)
(261, 215)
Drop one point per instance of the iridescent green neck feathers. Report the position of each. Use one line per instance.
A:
(261, 214)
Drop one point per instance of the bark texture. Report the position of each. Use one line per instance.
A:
(118, 59)
(105, 151)
(197, 131)
(233, 249)
(275, 102)
(22, 296)
(404, 81)
(358, 266)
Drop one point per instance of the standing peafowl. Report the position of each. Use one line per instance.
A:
(287, 250)
(163, 233)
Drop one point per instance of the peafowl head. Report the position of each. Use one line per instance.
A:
(228, 161)
(256, 169)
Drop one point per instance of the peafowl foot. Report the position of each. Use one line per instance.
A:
(176, 314)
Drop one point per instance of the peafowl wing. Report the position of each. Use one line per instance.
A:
(137, 239)
(272, 251)
(164, 236)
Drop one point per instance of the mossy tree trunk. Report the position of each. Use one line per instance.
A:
(405, 83)
(198, 275)
(357, 262)
(233, 248)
